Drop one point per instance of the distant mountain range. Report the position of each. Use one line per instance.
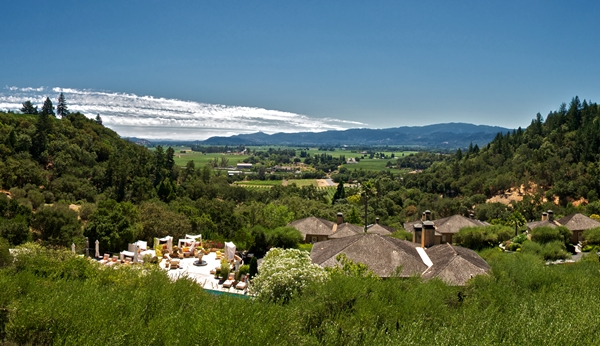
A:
(442, 136)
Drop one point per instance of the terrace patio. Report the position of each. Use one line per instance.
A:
(201, 274)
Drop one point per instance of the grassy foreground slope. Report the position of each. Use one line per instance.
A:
(53, 298)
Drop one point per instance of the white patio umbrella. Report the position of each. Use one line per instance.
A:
(97, 249)
(230, 250)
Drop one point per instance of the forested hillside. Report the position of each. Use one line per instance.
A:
(123, 191)
(554, 158)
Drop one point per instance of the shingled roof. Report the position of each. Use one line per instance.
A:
(346, 230)
(451, 224)
(381, 254)
(543, 223)
(578, 222)
(454, 265)
(313, 226)
(379, 229)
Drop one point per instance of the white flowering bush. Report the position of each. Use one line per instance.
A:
(284, 273)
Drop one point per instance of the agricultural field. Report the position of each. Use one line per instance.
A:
(268, 183)
(369, 164)
(337, 152)
(329, 189)
(303, 182)
(181, 159)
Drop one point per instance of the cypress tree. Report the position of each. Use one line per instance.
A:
(48, 108)
(340, 193)
(61, 108)
(253, 267)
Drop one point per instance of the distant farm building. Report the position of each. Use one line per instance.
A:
(244, 165)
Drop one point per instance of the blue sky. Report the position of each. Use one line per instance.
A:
(381, 63)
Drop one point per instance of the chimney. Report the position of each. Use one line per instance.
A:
(550, 216)
(423, 217)
(417, 233)
(544, 216)
(428, 234)
(427, 215)
(340, 218)
(377, 220)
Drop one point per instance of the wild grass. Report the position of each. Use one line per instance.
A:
(49, 299)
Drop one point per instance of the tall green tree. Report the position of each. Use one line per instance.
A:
(517, 220)
(57, 225)
(169, 159)
(114, 225)
(29, 108)
(61, 107)
(340, 193)
(48, 108)
(43, 127)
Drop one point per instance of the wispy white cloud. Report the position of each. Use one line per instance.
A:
(161, 118)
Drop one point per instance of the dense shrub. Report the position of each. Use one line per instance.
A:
(590, 248)
(513, 246)
(402, 234)
(306, 247)
(520, 239)
(477, 238)
(592, 236)
(284, 237)
(253, 270)
(57, 225)
(5, 256)
(284, 273)
(549, 251)
(14, 230)
(546, 234)
(531, 247)
(554, 251)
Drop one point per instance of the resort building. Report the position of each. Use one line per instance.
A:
(428, 232)
(391, 257)
(314, 229)
(576, 223)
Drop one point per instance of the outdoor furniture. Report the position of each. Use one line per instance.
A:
(168, 241)
(243, 283)
(230, 281)
(189, 250)
(143, 245)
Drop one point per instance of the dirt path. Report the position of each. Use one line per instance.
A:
(325, 182)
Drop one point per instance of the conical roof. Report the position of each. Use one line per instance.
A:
(382, 254)
(578, 222)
